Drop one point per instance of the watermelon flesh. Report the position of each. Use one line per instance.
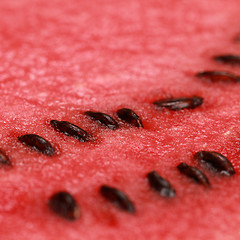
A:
(60, 58)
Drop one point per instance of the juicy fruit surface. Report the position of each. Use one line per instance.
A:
(60, 58)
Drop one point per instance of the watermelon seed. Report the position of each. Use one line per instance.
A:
(160, 185)
(71, 130)
(37, 143)
(4, 159)
(228, 59)
(177, 104)
(118, 198)
(194, 173)
(129, 116)
(215, 161)
(63, 204)
(216, 76)
(104, 119)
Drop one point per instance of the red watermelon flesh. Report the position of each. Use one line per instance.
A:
(60, 58)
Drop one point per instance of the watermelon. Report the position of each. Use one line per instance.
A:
(167, 72)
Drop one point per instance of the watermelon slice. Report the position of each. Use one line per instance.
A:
(62, 59)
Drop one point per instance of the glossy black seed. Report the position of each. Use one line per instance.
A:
(219, 76)
(37, 143)
(215, 161)
(160, 185)
(71, 130)
(177, 104)
(104, 119)
(118, 198)
(63, 204)
(4, 159)
(193, 173)
(228, 59)
(129, 116)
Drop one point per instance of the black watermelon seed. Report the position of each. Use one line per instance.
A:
(129, 116)
(4, 159)
(194, 173)
(215, 161)
(104, 119)
(37, 143)
(71, 130)
(63, 204)
(160, 185)
(218, 76)
(177, 104)
(228, 59)
(118, 198)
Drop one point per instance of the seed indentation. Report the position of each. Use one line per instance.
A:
(118, 198)
(215, 161)
(4, 159)
(64, 205)
(37, 143)
(228, 59)
(71, 130)
(129, 116)
(218, 76)
(160, 185)
(177, 104)
(193, 173)
(104, 119)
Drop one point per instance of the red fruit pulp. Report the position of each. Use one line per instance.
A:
(60, 58)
